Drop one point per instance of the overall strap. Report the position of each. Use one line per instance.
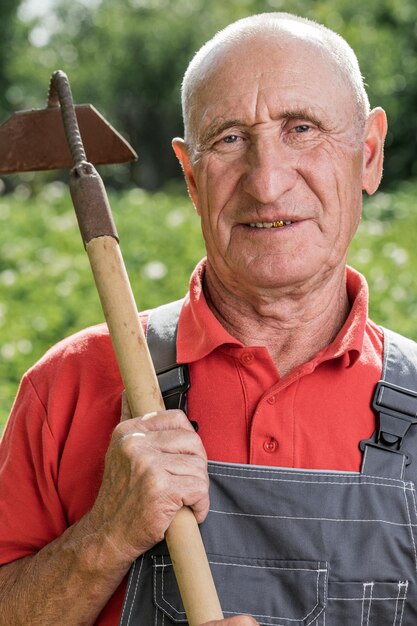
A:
(161, 335)
(395, 403)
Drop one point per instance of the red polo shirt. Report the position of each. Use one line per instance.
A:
(51, 456)
(312, 418)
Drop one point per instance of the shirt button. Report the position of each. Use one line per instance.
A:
(247, 358)
(270, 445)
(272, 400)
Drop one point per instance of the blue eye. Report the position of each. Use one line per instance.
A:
(230, 139)
(302, 128)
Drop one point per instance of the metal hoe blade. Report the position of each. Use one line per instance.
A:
(35, 140)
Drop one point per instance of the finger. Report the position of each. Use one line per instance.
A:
(190, 483)
(183, 464)
(191, 492)
(139, 440)
(183, 477)
(177, 442)
(199, 508)
(172, 419)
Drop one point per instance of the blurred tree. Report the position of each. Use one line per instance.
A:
(128, 59)
(383, 33)
(8, 10)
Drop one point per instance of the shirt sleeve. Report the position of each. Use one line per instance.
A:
(31, 514)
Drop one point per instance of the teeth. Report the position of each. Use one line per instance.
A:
(277, 224)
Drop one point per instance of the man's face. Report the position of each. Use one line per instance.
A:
(277, 176)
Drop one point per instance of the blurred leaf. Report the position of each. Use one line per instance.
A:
(46, 288)
(128, 59)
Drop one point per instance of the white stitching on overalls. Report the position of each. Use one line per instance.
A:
(411, 529)
(370, 603)
(319, 571)
(413, 496)
(164, 566)
(136, 587)
(363, 603)
(403, 467)
(364, 458)
(213, 469)
(366, 586)
(309, 519)
(402, 484)
(394, 623)
(155, 597)
(402, 587)
(376, 597)
(405, 585)
(127, 590)
(301, 619)
(326, 589)
(281, 569)
(318, 600)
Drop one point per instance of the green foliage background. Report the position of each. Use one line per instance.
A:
(128, 58)
(46, 287)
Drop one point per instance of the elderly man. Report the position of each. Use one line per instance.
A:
(305, 527)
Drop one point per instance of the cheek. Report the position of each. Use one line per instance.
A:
(211, 211)
(338, 180)
(216, 191)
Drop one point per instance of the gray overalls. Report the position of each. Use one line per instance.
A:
(305, 547)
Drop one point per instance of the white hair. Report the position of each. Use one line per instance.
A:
(271, 24)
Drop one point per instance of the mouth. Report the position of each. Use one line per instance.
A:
(277, 224)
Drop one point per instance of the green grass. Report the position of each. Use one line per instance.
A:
(385, 251)
(46, 288)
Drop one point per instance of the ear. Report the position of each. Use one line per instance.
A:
(183, 156)
(373, 157)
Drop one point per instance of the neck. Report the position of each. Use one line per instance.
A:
(293, 323)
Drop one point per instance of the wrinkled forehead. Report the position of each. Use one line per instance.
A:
(293, 67)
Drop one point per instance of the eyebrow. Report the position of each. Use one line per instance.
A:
(216, 127)
(301, 114)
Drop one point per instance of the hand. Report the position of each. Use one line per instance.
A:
(154, 466)
(239, 620)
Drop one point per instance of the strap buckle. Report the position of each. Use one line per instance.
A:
(174, 384)
(396, 408)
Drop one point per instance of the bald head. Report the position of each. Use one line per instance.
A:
(274, 29)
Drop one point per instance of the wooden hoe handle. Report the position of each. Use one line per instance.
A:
(136, 368)
(183, 537)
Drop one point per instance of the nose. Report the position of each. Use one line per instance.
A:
(269, 172)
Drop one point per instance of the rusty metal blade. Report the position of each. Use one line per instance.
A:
(35, 140)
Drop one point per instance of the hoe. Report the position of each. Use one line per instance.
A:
(68, 136)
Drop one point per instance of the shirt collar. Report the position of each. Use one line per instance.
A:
(200, 332)
(348, 343)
